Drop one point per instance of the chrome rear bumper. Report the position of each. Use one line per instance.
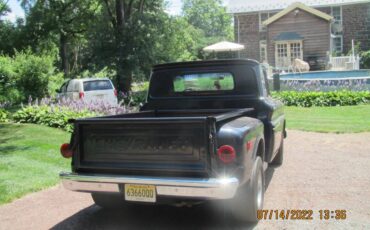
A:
(213, 188)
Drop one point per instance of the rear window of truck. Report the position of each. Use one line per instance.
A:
(97, 85)
(198, 82)
(204, 81)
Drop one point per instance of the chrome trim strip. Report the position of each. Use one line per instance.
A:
(224, 188)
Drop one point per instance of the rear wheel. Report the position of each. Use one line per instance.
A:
(278, 160)
(108, 200)
(250, 198)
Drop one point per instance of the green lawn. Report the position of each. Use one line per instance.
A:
(344, 119)
(29, 159)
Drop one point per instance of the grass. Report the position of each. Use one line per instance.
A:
(29, 159)
(344, 119)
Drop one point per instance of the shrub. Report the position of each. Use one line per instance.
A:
(336, 98)
(137, 96)
(57, 113)
(8, 89)
(56, 117)
(34, 74)
(27, 74)
(3, 115)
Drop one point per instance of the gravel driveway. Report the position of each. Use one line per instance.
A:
(320, 171)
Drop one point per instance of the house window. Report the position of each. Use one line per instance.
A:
(263, 51)
(337, 44)
(286, 52)
(295, 51)
(336, 12)
(281, 54)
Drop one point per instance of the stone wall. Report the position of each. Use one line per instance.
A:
(356, 25)
(249, 34)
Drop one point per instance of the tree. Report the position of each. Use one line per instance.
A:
(11, 36)
(4, 8)
(122, 15)
(139, 33)
(209, 16)
(66, 19)
(148, 38)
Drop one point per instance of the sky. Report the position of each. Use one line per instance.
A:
(174, 8)
(17, 11)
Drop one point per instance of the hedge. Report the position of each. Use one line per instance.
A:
(336, 98)
(56, 117)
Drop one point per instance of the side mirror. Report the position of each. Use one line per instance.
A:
(57, 90)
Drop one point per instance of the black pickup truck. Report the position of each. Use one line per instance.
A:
(208, 131)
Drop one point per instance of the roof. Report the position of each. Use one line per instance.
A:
(245, 6)
(207, 63)
(89, 79)
(301, 6)
(224, 46)
(288, 36)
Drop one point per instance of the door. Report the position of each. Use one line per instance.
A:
(99, 90)
(277, 119)
(286, 52)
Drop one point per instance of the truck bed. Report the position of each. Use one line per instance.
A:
(161, 142)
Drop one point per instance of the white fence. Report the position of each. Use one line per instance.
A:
(345, 63)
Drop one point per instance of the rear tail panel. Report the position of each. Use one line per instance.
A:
(144, 146)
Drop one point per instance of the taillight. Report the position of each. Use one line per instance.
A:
(66, 151)
(82, 94)
(226, 153)
(115, 93)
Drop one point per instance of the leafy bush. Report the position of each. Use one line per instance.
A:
(336, 98)
(51, 116)
(57, 113)
(34, 74)
(8, 89)
(3, 115)
(137, 96)
(27, 74)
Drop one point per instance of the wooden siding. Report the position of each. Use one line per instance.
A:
(314, 30)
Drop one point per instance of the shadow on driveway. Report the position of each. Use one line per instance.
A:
(204, 216)
(151, 217)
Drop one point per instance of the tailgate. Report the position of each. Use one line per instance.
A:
(144, 146)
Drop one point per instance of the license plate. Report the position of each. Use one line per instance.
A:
(142, 193)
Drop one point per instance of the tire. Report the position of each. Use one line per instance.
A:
(249, 198)
(278, 160)
(108, 200)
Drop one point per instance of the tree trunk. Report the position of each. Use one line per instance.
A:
(124, 77)
(63, 52)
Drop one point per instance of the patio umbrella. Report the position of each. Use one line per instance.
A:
(224, 47)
